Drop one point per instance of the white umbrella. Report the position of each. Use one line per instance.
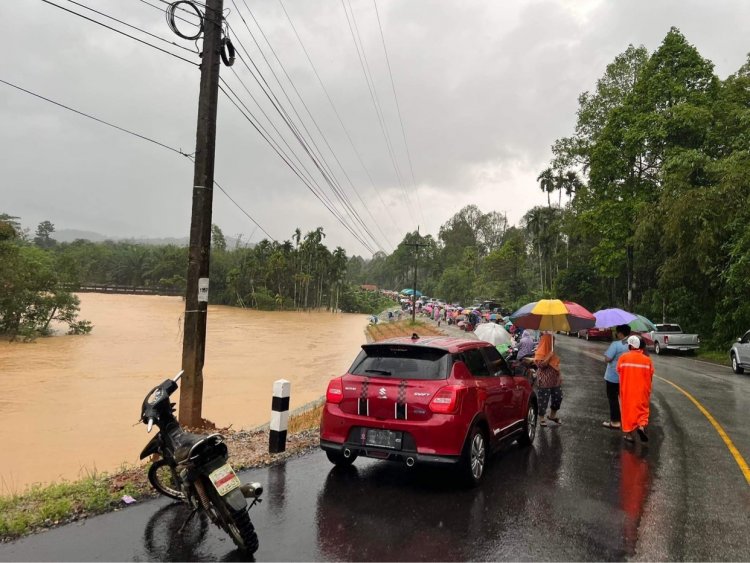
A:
(493, 333)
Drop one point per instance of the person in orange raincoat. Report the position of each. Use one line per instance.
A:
(636, 374)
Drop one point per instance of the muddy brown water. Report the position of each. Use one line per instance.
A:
(69, 404)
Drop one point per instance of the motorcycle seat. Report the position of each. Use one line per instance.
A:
(186, 441)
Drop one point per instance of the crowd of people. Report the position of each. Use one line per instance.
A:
(628, 373)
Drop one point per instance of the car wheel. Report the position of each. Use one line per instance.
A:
(475, 457)
(529, 426)
(736, 368)
(657, 348)
(587, 337)
(338, 459)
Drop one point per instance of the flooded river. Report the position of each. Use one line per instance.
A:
(69, 403)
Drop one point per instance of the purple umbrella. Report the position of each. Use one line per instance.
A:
(607, 318)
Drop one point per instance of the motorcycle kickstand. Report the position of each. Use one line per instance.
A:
(187, 520)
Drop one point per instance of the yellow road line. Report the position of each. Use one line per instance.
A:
(727, 440)
(722, 433)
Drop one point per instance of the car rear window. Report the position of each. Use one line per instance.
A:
(402, 362)
(668, 328)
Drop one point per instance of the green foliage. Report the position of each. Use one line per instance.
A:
(31, 298)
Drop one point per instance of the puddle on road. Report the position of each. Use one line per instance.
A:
(69, 403)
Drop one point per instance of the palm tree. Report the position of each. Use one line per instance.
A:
(547, 183)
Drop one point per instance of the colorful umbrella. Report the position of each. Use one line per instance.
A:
(411, 292)
(607, 318)
(553, 314)
(466, 311)
(494, 316)
(641, 324)
(492, 333)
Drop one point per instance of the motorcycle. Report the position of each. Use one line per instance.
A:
(193, 468)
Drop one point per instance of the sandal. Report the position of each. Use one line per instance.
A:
(629, 438)
(556, 420)
(608, 424)
(642, 434)
(543, 422)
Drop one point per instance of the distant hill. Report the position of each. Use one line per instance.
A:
(70, 235)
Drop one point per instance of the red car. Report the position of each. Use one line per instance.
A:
(595, 333)
(434, 400)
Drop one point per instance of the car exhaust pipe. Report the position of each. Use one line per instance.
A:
(410, 462)
(347, 453)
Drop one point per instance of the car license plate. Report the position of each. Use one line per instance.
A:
(224, 479)
(383, 439)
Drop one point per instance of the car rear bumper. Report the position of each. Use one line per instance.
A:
(388, 454)
(442, 436)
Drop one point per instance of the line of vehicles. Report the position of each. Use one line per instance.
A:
(666, 338)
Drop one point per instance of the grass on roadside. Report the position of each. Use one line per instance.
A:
(716, 356)
(48, 505)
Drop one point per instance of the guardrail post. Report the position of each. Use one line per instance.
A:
(279, 416)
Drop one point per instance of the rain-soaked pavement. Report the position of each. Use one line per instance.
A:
(579, 493)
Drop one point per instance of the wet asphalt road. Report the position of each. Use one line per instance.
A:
(579, 493)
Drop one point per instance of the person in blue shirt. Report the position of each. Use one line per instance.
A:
(611, 378)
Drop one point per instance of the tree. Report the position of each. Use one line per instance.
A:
(43, 237)
(218, 242)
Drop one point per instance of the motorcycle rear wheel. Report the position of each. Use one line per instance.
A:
(235, 522)
(163, 478)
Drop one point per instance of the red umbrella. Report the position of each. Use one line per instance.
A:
(553, 314)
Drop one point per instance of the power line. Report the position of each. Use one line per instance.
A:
(398, 110)
(321, 166)
(358, 44)
(133, 133)
(304, 104)
(275, 102)
(120, 32)
(279, 109)
(279, 152)
(132, 26)
(333, 106)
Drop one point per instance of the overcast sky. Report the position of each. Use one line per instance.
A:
(484, 89)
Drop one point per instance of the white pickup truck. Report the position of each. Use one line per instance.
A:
(670, 337)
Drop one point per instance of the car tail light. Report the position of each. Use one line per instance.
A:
(666, 339)
(335, 392)
(447, 399)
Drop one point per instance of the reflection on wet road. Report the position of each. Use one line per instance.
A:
(579, 493)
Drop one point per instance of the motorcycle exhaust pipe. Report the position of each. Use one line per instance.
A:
(347, 453)
(410, 462)
(251, 490)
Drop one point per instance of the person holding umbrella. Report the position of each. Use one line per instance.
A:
(548, 379)
(550, 315)
(611, 378)
(636, 372)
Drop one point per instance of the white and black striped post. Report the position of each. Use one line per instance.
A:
(279, 416)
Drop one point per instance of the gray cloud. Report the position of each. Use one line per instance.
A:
(484, 89)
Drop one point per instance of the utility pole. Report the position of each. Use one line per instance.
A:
(196, 299)
(416, 246)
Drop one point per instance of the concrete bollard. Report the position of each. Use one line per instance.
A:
(279, 416)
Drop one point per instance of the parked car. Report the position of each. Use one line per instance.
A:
(670, 337)
(740, 353)
(595, 333)
(437, 400)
